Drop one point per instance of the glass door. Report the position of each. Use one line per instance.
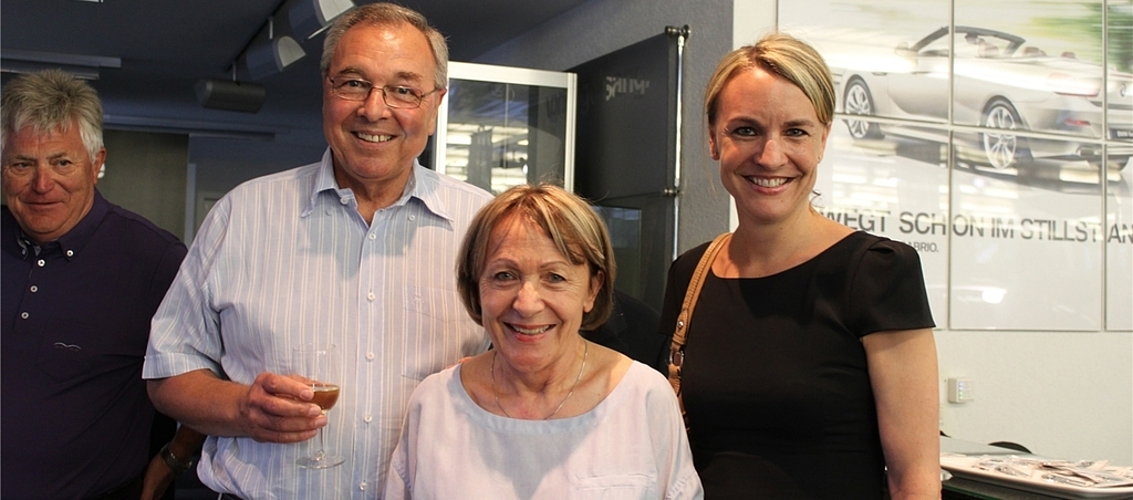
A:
(502, 126)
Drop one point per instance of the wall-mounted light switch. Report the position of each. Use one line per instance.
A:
(961, 390)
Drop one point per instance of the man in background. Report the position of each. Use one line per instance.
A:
(357, 249)
(81, 280)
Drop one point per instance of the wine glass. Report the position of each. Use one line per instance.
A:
(318, 364)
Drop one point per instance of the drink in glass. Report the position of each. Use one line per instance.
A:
(319, 364)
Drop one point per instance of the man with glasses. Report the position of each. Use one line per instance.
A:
(358, 250)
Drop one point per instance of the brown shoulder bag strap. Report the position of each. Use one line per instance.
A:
(676, 355)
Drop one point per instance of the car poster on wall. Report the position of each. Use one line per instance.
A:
(1119, 254)
(994, 137)
(896, 189)
(1027, 249)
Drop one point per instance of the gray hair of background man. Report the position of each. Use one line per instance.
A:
(52, 100)
(387, 14)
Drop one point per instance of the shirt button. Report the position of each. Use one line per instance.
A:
(362, 486)
(369, 296)
(344, 200)
(41, 262)
(412, 217)
(373, 236)
(34, 289)
(24, 315)
(70, 253)
(369, 355)
(367, 418)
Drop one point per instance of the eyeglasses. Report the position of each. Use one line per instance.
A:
(395, 96)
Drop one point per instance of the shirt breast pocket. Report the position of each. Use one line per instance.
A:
(438, 331)
(616, 487)
(428, 305)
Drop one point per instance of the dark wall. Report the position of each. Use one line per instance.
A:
(146, 173)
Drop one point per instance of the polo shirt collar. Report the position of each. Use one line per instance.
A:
(72, 243)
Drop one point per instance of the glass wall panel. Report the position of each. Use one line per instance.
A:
(495, 128)
(1119, 199)
(895, 187)
(888, 58)
(1026, 245)
(1029, 65)
(997, 133)
(503, 126)
(1119, 61)
(887, 172)
(1119, 253)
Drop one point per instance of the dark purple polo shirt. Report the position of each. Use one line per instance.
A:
(75, 414)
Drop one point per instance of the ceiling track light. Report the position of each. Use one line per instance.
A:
(269, 53)
(308, 18)
(230, 95)
(266, 58)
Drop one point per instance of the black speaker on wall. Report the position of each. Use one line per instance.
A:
(245, 97)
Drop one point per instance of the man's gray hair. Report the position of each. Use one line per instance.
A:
(52, 100)
(384, 14)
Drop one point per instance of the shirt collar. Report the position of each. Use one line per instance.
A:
(72, 243)
(427, 189)
(423, 186)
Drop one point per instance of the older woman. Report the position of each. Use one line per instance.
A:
(809, 369)
(545, 414)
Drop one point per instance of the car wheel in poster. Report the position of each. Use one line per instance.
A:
(1002, 149)
(859, 101)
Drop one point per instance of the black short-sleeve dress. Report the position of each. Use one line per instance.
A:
(775, 379)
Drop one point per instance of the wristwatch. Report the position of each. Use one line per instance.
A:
(177, 464)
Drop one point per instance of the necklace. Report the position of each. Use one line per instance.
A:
(585, 354)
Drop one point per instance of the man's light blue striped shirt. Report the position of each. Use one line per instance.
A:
(286, 259)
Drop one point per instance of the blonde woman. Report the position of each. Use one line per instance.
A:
(810, 367)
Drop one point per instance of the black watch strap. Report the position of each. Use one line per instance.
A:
(179, 465)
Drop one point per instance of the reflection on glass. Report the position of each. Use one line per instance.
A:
(1061, 165)
(625, 236)
(500, 135)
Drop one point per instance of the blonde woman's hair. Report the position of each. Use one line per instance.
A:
(786, 56)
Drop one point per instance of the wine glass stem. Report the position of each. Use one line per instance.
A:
(321, 452)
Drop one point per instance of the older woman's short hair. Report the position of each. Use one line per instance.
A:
(52, 100)
(385, 14)
(786, 56)
(578, 232)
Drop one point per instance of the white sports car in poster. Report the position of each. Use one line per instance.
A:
(1000, 82)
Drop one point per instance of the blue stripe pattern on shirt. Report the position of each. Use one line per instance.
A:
(287, 259)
